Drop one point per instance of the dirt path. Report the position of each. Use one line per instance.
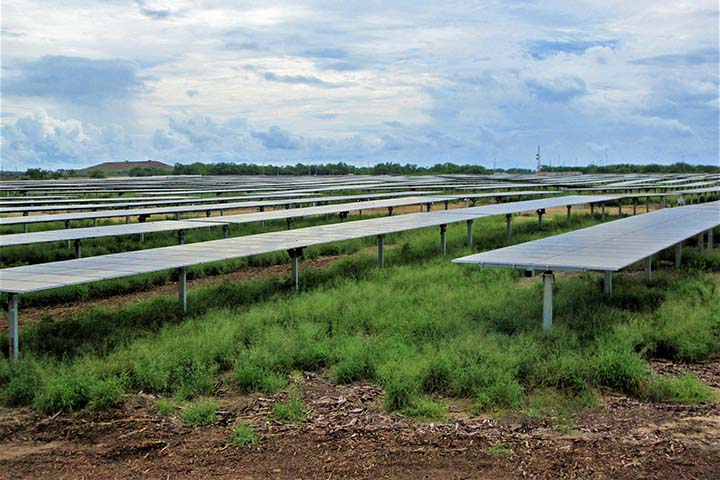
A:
(348, 435)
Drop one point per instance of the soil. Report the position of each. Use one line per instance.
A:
(348, 435)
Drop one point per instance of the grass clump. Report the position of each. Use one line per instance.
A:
(499, 450)
(505, 393)
(200, 412)
(684, 389)
(243, 434)
(424, 408)
(292, 410)
(165, 406)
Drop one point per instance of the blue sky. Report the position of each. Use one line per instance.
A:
(360, 82)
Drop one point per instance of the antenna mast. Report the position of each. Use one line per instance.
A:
(537, 157)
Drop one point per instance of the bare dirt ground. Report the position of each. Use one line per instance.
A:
(349, 435)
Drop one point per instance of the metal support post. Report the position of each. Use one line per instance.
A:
(634, 202)
(447, 204)
(390, 210)
(127, 219)
(182, 289)
(177, 215)
(620, 208)
(142, 236)
(710, 239)
(602, 211)
(508, 226)
(226, 230)
(295, 254)
(678, 254)
(648, 268)
(429, 206)
(181, 237)
(592, 211)
(289, 223)
(25, 228)
(469, 233)
(13, 300)
(78, 253)
(607, 284)
(548, 280)
(569, 208)
(381, 250)
(647, 205)
(443, 239)
(701, 241)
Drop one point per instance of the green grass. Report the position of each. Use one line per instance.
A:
(684, 389)
(165, 406)
(499, 450)
(422, 328)
(292, 410)
(243, 434)
(200, 412)
(424, 408)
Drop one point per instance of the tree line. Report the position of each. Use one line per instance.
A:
(386, 168)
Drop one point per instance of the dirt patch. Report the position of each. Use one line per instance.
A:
(348, 435)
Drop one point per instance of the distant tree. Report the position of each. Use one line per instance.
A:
(97, 174)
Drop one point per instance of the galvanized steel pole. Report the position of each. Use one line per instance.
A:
(182, 289)
(548, 279)
(381, 250)
(443, 239)
(607, 284)
(13, 300)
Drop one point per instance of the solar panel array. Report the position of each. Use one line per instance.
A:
(71, 272)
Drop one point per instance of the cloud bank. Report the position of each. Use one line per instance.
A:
(325, 81)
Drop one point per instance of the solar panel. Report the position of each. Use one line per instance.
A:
(610, 246)
(188, 209)
(96, 232)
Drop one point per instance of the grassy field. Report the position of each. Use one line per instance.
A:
(424, 329)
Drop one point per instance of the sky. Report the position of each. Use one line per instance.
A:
(359, 82)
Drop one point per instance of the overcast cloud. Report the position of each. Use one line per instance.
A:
(360, 82)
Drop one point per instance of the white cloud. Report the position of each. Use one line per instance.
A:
(468, 81)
